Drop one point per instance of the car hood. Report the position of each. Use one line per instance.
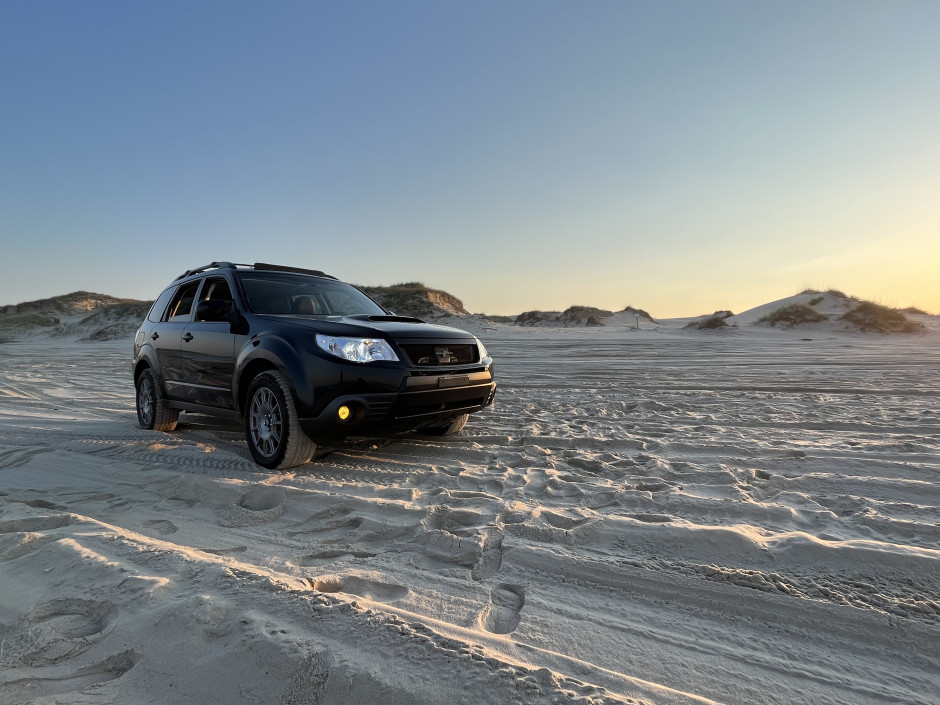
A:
(395, 327)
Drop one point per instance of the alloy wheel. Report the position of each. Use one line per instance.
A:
(265, 422)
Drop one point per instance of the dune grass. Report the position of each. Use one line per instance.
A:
(793, 315)
(870, 317)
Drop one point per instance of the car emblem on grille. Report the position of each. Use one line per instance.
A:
(444, 356)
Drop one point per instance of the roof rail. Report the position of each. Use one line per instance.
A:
(211, 265)
(262, 266)
(259, 266)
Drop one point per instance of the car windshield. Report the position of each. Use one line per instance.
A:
(304, 295)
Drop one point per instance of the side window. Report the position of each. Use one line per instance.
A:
(182, 303)
(216, 288)
(159, 306)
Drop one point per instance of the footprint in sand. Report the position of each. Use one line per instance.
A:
(314, 559)
(38, 503)
(503, 613)
(74, 685)
(21, 536)
(161, 526)
(560, 521)
(363, 587)
(653, 518)
(491, 556)
(259, 505)
(56, 521)
(459, 522)
(225, 551)
(57, 630)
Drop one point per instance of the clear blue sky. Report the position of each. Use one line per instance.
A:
(678, 156)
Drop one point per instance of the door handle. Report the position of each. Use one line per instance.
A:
(155, 335)
(188, 336)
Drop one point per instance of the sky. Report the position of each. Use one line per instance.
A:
(678, 156)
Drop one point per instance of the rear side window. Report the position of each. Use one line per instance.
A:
(216, 288)
(159, 306)
(182, 304)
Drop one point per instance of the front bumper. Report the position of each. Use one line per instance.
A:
(420, 402)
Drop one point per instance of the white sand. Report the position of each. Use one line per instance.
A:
(654, 516)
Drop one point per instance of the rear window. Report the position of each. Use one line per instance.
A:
(303, 295)
(182, 304)
(159, 306)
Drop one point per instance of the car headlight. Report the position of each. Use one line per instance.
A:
(357, 349)
(483, 353)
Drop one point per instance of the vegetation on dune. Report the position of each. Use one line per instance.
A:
(68, 304)
(831, 292)
(108, 315)
(23, 322)
(793, 315)
(711, 323)
(816, 301)
(640, 312)
(529, 318)
(589, 315)
(498, 319)
(571, 316)
(913, 310)
(415, 299)
(870, 317)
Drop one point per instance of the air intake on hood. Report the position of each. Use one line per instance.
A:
(391, 319)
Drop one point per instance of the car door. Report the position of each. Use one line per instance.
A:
(166, 337)
(207, 351)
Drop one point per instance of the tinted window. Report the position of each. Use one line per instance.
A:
(182, 304)
(159, 306)
(216, 288)
(300, 294)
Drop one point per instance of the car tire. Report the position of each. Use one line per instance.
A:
(448, 429)
(272, 430)
(152, 413)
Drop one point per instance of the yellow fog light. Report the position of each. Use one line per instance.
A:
(343, 412)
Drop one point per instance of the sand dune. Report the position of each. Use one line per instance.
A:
(655, 516)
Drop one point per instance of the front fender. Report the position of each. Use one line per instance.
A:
(271, 352)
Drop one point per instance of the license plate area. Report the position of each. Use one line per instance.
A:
(453, 381)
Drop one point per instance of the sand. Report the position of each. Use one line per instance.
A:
(653, 516)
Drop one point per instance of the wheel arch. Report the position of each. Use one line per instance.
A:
(146, 360)
(269, 353)
(252, 369)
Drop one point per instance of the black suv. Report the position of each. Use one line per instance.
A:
(302, 359)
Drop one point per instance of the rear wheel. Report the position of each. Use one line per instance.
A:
(152, 413)
(272, 430)
(448, 429)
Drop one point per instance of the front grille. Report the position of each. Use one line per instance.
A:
(441, 355)
(378, 410)
(437, 372)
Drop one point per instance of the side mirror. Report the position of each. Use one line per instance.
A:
(213, 310)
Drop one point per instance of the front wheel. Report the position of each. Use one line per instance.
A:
(272, 430)
(449, 428)
(152, 413)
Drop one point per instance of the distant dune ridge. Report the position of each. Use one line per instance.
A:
(416, 299)
(583, 316)
(68, 304)
(91, 316)
(827, 308)
(83, 313)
